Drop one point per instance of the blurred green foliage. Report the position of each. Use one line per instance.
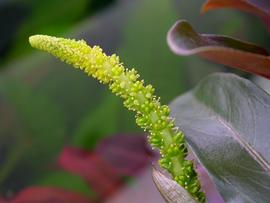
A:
(66, 181)
(52, 17)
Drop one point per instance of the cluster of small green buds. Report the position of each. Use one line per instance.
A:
(150, 114)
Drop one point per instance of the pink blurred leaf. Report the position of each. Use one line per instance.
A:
(3, 200)
(47, 195)
(100, 175)
(104, 168)
(184, 40)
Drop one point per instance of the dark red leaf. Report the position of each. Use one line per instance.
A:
(47, 195)
(184, 40)
(257, 7)
(260, 8)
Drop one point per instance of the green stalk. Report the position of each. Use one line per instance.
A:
(140, 98)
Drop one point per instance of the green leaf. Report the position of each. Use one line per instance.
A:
(226, 123)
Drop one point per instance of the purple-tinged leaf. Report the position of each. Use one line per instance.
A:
(184, 40)
(226, 123)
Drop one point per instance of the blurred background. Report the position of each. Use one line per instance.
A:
(61, 130)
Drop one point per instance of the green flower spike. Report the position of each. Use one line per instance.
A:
(150, 114)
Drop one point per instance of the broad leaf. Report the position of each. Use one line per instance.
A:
(226, 123)
(184, 40)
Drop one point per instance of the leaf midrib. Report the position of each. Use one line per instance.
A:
(257, 157)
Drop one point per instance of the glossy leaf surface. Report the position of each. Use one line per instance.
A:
(226, 123)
